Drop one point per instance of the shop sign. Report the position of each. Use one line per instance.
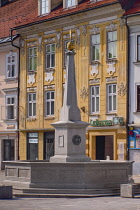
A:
(138, 140)
(33, 141)
(101, 123)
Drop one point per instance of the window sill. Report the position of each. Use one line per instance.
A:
(111, 113)
(94, 63)
(32, 72)
(49, 118)
(96, 115)
(11, 79)
(49, 70)
(112, 60)
(9, 120)
(136, 63)
(136, 112)
(31, 119)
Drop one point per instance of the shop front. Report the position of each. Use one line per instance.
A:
(107, 140)
(134, 148)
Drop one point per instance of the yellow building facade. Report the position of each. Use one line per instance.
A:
(100, 38)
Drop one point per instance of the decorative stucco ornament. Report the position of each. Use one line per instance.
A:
(22, 46)
(94, 72)
(78, 36)
(111, 68)
(122, 22)
(31, 79)
(84, 30)
(111, 27)
(58, 39)
(39, 43)
(95, 30)
(122, 89)
(49, 76)
(84, 93)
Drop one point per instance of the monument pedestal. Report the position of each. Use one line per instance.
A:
(70, 142)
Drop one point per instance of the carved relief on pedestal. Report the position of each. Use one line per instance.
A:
(49, 75)
(31, 79)
(94, 70)
(111, 68)
(84, 93)
(122, 89)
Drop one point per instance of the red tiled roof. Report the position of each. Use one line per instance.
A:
(135, 8)
(22, 12)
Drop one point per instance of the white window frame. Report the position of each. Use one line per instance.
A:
(112, 42)
(46, 4)
(70, 3)
(95, 96)
(10, 96)
(112, 97)
(49, 101)
(31, 59)
(50, 54)
(10, 55)
(32, 102)
(96, 45)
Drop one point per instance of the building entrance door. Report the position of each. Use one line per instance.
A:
(104, 147)
(8, 149)
(48, 145)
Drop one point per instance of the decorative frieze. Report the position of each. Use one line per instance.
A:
(32, 89)
(49, 87)
(67, 36)
(51, 39)
(31, 44)
(49, 75)
(95, 30)
(94, 81)
(94, 70)
(31, 79)
(111, 79)
(111, 67)
(122, 89)
(84, 93)
(111, 27)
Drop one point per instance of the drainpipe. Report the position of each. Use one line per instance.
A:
(11, 31)
(127, 79)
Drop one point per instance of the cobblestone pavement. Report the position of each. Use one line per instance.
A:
(98, 203)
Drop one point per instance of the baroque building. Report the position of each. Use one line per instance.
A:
(100, 38)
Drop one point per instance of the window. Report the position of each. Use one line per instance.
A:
(31, 104)
(112, 44)
(50, 56)
(95, 47)
(44, 6)
(33, 59)
(49, 105)
(95, 91)
(138, 98)
(70, 3)
(11, 65)
(10, 108)
(138, 48)
(112, 97)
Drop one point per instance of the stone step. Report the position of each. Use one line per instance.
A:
(39, 192)
(33, 195)
(69, 191)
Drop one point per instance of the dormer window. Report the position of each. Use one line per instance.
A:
(70, 3)
(45, 6)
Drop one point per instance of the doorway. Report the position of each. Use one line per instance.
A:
(104, 147)
(8, 150)
(48, 145)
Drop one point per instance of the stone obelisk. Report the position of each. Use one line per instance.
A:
(70, 131)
